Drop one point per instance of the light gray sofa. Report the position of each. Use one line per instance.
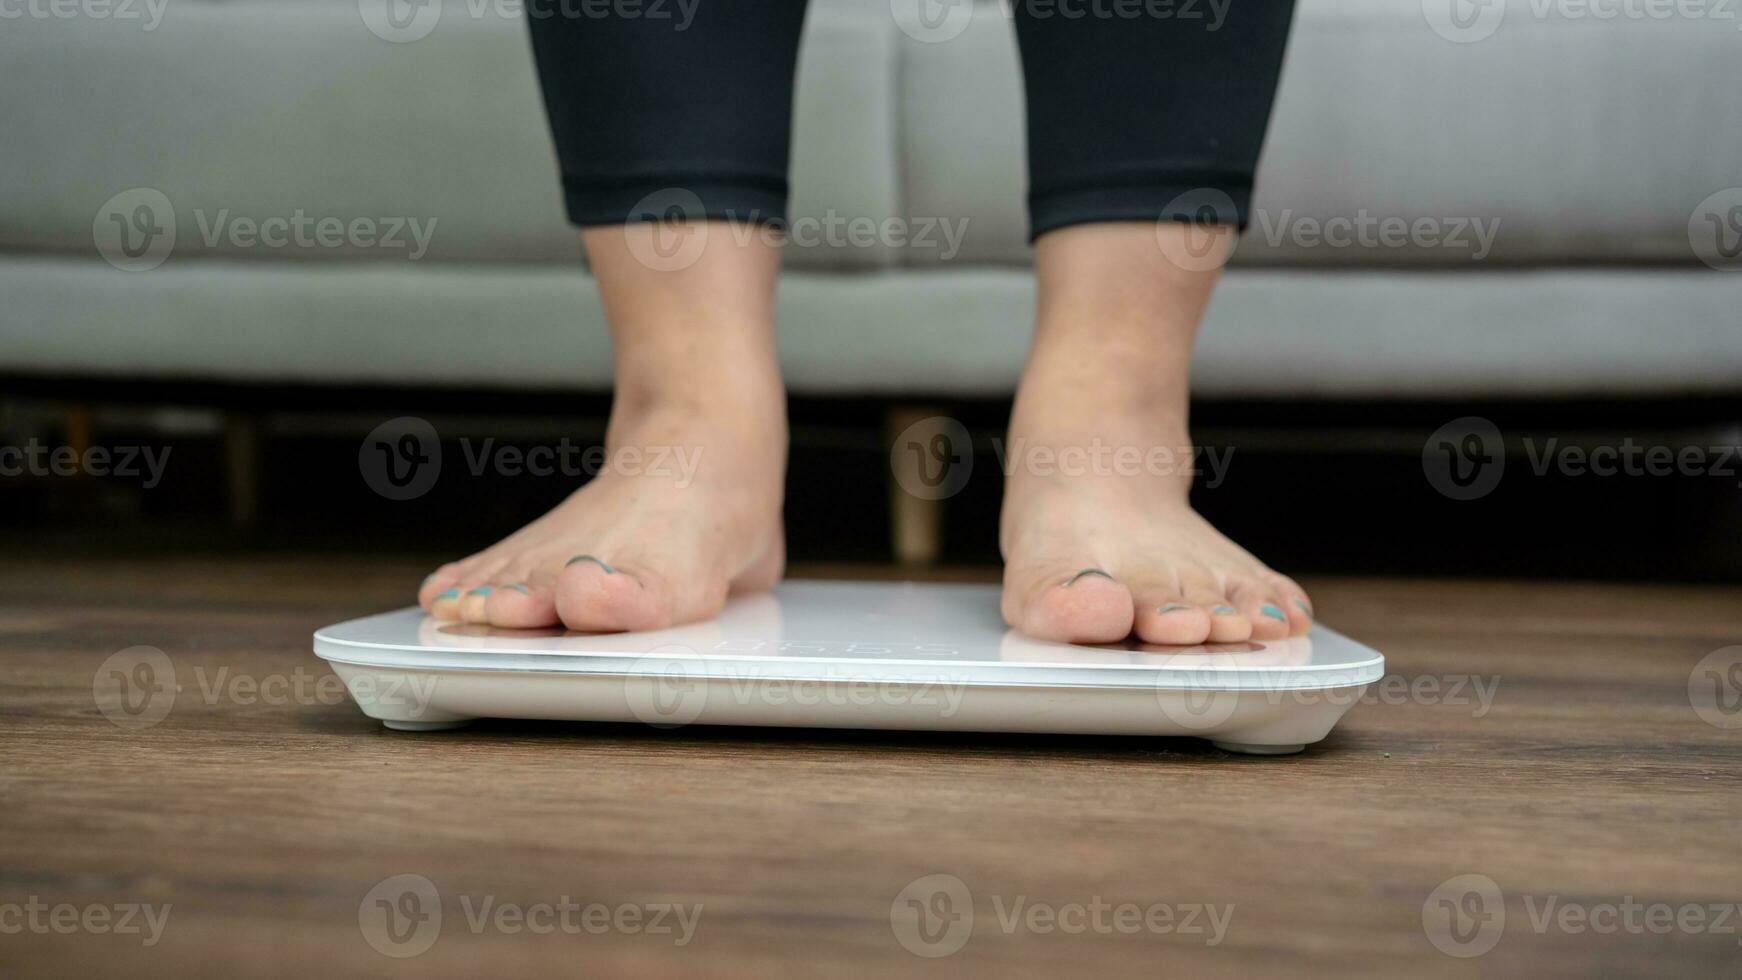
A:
(1604, 155)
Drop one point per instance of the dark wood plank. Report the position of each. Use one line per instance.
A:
(1589, 777)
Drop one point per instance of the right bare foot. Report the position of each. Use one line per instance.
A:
(639, 550)
(647, 544)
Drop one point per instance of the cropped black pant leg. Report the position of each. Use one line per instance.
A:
(1136, 111)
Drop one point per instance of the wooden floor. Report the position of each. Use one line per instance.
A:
(1582, 777)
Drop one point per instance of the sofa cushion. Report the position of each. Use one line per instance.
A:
(957, 333)
(243, 112)
(1554, 138)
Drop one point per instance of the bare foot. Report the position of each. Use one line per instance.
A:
(636, 548)
(687, 508)
(1098, 538)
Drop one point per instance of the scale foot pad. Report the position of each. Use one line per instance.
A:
(428, 726)
(1247, 748)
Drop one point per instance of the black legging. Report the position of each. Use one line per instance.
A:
(1144, 117)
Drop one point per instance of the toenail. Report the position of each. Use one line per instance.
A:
(1303, 606)
(447, 594)
(1223, 610)
(521, 588)
(608, 569)
(426, 578)
(480, 590)
(1170, 607)
(1272, 610)
(1087, 571)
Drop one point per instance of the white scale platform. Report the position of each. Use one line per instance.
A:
(932, 657)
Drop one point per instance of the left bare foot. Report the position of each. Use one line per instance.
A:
(1098, 537)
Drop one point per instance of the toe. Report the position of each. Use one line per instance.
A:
(446, 603)
(596, 597)
(1296, 604)
(1069, 603)
(1227, 623)
(438, 581)
(523, 605)
(1171, 619)
(472, 604)
(1263, 606)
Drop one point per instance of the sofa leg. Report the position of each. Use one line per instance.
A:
(81, 427)
(242, 468)
(915, 523)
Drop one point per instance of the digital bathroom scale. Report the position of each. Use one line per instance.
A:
(881, 655)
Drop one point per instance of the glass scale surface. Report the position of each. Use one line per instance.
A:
(870, 655)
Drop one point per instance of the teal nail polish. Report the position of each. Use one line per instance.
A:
(426, 578)
(480, 590)
(1303, 606)
(1273, 611)
(608, 569)
(1223, 610)
(448, 594)
(1087, 571)
(1170, 607)
(521, 588)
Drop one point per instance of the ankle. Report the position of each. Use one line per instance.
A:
(1111, 379)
